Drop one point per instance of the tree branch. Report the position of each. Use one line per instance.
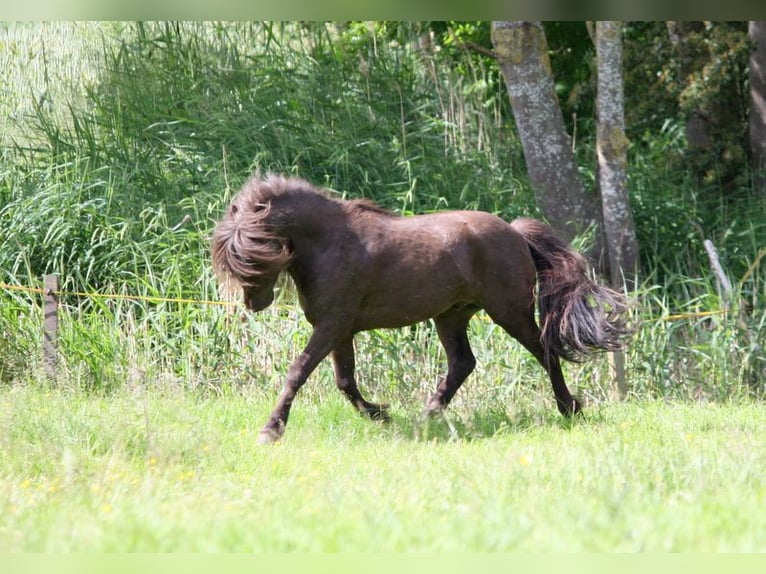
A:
(478, 48)
(715, 265)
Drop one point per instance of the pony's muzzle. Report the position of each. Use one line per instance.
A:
(257, 299)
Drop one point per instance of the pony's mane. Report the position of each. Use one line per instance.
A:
(262, 190)
(244, 248)
(265, 189)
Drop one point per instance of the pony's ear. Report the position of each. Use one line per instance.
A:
(256, 208)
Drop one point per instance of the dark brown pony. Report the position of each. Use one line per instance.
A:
(358, 267)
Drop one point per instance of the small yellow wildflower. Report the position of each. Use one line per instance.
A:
(186, 475)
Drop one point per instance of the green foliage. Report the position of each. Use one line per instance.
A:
(177, 102)
(572, 55)
(17, 349)
(698, 78)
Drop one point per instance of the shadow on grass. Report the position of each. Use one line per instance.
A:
(483, 424)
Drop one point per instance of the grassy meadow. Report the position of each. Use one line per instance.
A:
(169, 472)
(123, 144)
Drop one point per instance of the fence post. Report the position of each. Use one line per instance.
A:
(50, 324)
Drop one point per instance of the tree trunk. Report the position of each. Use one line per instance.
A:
(757, 34)
(522, 54)
(612, 146)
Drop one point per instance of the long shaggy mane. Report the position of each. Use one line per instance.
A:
(245, 247)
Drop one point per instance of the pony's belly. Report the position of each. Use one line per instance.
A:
(404, 313)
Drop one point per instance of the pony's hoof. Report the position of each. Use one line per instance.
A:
(571, 409)
(268, 436)
(434, 408)
(378, 413)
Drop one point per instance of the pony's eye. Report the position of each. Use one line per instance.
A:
(234, 209)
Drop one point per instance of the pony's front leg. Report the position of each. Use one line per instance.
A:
(343, 359)
(319, 345)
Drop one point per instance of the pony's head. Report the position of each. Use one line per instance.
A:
(247, 251)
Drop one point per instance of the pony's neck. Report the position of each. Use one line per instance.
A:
(311, 224)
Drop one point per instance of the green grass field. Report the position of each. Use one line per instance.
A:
(173, 472)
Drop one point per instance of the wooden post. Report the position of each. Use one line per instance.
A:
(50, 324)
(616, 361)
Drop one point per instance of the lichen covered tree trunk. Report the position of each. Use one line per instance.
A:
(612, 146)
(522, 54)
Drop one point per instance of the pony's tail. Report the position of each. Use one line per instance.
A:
(578, 317)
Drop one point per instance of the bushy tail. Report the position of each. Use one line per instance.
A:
(578, 316)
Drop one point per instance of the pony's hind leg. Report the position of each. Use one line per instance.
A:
(523, 328)
(451, 327)
(343, 360)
